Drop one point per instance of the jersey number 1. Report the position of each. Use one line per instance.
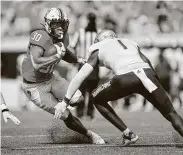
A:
(120, 42)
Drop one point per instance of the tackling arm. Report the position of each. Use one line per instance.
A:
(38, 61)
(83, 73)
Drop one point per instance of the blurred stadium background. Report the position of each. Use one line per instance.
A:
(156, 26)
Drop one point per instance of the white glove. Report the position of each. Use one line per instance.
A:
(81, 61)
(7, 115)
(61, 110)
(60, 49)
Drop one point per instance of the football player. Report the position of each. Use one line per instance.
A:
(45, 50)
(6, 113)
(133, 74)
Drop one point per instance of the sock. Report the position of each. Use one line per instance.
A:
(126, 132)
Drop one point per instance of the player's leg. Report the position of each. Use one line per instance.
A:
(80, 109)
(41, 97)
(92, 84)
(101, 95)
(161, 101)
(111, 91)
(59, 88)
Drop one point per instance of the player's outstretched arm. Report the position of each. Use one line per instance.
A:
(39, 61)
(76, 82)
(72, 58)
(6, 113)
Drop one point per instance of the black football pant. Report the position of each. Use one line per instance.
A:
(87, 87)
(123, 85)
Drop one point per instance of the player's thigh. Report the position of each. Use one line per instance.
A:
(48, 102)
(59, 87)
(113, 89)
(159, 97)
(41, 97)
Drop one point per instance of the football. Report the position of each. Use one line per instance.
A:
(52, 50)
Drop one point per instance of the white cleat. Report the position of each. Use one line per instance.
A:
(94, 138)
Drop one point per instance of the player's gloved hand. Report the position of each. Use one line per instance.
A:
(81, 61)
(8, 115)
(61, 110)
(60, 49)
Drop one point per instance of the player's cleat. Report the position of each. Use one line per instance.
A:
(94, 138)
(131, 138)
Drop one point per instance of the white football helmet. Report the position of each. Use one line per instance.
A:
(56, 18)
(105, 34)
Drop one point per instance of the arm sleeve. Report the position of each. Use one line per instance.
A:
(3, 104)
(66, 41)
(2, 100)
(70, 57)
(93, 58)
(74, 40)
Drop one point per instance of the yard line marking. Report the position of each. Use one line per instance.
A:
(92, 145)
(25, 136)
(33, 136)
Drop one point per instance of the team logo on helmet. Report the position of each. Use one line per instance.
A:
(56, 18)
(105, 34)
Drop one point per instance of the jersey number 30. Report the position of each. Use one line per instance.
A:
(36, 36)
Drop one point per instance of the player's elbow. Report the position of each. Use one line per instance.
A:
(36, 66)
(35, 62)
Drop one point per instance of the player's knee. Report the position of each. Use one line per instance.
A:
(69, 121)
(176, 120)
(65, 115)
(97, 99)
(77, 98)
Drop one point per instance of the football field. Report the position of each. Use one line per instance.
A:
(40, 134)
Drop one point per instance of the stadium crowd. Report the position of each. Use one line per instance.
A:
(148, 20)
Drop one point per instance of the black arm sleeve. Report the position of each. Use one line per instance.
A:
(70, 57)
(93, 59)
(145, 59)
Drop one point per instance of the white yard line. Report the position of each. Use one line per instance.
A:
(85, 145)
(34, 136)
(24, 136)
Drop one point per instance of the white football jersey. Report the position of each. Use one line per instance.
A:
(120, 55)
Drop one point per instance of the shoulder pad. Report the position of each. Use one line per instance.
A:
(93, 47)
(41, 38)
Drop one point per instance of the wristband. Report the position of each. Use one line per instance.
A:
(66, 100)
(4, 108)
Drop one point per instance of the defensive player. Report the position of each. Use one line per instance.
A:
(45, 50)
(6, 113)
(133, 74)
